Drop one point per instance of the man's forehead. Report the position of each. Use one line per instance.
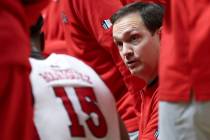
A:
(125, 27)
(129, 17)
(121, 32)
(132, 20)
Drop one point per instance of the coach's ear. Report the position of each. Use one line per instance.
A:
(159, 32)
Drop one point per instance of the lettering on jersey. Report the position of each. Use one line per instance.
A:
(64, 74)
(76, 129)
(87, 99)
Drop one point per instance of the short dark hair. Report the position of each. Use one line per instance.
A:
(151, 14)
(36, 28)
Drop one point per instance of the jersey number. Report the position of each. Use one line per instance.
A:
(87, 100)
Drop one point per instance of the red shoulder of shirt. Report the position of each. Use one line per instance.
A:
(33, 9)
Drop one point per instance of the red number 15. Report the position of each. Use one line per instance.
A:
(88, 104)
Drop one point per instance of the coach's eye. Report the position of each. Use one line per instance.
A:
(119, 45)
(134, 38)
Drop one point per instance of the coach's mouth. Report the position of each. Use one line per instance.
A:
(131, 64)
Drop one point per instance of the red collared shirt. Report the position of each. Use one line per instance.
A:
(147, 110)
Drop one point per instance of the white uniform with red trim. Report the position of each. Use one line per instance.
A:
(71, 101)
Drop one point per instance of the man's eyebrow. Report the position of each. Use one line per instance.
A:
(125, 34)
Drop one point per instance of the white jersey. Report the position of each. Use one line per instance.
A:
(71, 101)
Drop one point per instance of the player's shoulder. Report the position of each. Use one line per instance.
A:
(65, 56)
(56, 62)
(58, 57)
(75, 62)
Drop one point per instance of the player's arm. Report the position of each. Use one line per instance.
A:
(123, 130)
(95, 15)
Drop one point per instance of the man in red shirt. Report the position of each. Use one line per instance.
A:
(184, 70)
(53, 29)
(136, 33)
(15, 91)
(88, 33)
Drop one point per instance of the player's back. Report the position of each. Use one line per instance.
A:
(71, 101)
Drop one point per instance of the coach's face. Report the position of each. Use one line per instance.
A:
(138, 48)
